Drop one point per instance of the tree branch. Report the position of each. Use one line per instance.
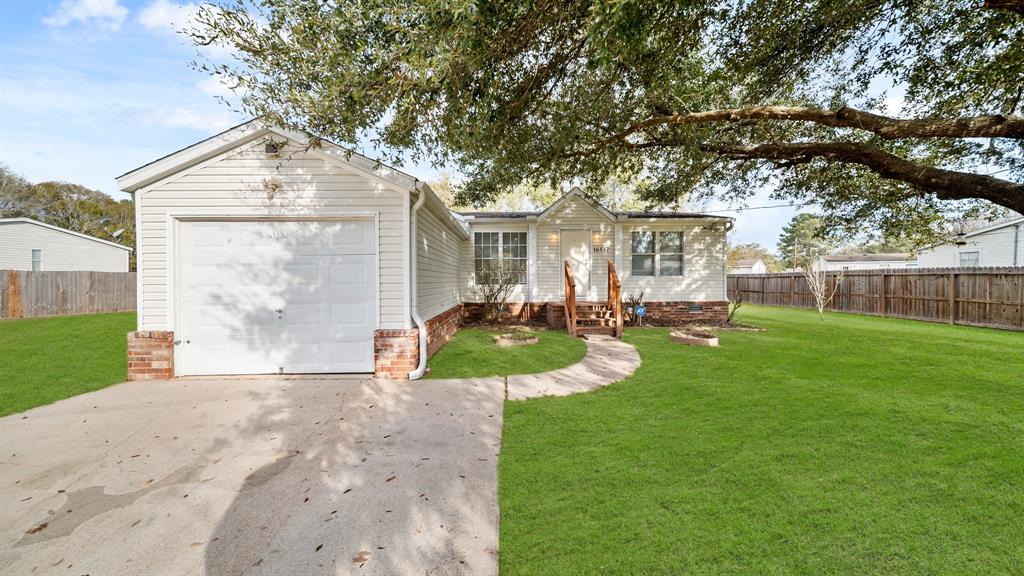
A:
(946, 184)
(1010, 5)
(993, 126)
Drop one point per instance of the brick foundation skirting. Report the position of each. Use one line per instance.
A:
(520, 311)
(679, 312)
(395, 353)
(441, 328)
(150, 355)
(663, 312)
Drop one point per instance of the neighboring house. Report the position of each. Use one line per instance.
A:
(996, 244)
(26, 244)
(866, 261)
(749, 266)
(263, 252)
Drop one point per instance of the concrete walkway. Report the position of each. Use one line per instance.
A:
(276, 475)
(608, 360)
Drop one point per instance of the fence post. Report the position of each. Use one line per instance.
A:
(952, 298)
(792, 287)
(882, 295)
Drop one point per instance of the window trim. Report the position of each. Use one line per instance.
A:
(37, 263)
(959, 256)
(658, 252)
(501, 252)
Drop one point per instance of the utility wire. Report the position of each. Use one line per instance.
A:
(756, 208)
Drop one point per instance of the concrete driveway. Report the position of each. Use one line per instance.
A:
(255, 476)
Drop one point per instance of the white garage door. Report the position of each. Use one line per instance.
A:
(263, 297)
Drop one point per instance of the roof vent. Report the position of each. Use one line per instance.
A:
(272, 148)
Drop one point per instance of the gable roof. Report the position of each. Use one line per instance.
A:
(597, 206)
(575, 193)
(746, 262)
(64, 230)
(231, 138)
(996, 226)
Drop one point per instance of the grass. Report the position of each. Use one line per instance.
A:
(472, 353)
(853, 445)
(43, 360)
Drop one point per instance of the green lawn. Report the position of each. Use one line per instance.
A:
(473, 353)
(43, 360)
(849, 446)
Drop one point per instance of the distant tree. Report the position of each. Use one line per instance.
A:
(14, 199)
(69, 206)
(752, 251)
(801, 241)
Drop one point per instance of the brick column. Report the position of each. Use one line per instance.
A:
(150, 355)
(395, 353)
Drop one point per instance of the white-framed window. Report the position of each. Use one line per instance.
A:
(504, 249)
(656, 253)
(670, 253)
(37, 260)
(969, 259)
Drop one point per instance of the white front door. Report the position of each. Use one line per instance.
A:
(576, 249)
(261, 297)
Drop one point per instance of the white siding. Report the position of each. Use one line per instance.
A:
(469, 290)
(703, 264)
(60, 250)
(996, 248)
(241, 183)
(574, 214)
(439, 258)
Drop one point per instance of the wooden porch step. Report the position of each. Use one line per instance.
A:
(595, 321)
(584, 330)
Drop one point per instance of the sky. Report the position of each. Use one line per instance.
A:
(91, 89)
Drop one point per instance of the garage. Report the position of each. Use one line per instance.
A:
(269, 296)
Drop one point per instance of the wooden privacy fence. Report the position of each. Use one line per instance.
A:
(988, 297)
(26, 294)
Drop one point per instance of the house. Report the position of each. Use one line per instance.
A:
(27, 244)
(866, 261)
(992, 244)
(749, 266)
(263, 251)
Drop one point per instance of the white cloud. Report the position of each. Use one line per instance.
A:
(210, 122)
(104, 14)
(215, 86)
(165, 16)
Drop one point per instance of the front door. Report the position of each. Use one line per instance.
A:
(576, 249)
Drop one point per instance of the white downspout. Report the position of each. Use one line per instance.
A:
(413, 311)
(1016, 244)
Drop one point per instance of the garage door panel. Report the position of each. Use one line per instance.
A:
(235, 277)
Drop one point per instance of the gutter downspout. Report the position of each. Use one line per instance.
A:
(1016, 244)
(421, 367)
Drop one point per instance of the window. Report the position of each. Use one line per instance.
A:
(506, 250)
(670, 253)
(657, 254)
(969, 259)
(643, 254)
(37, 260)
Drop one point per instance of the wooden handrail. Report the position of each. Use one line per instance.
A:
(615, 297)
(570, 300)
